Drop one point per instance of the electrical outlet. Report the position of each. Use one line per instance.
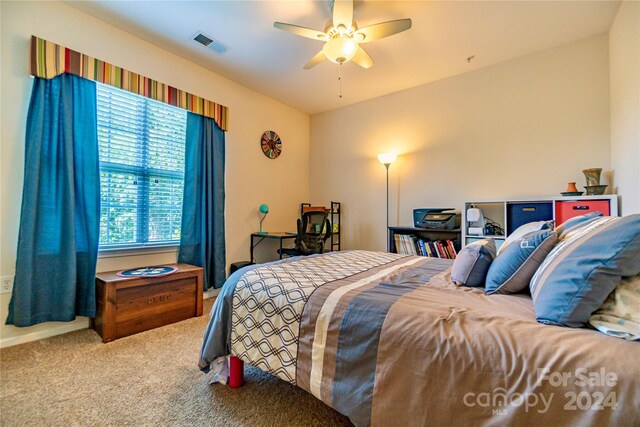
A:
(6, 284)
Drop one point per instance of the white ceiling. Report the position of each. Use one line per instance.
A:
(270, 61)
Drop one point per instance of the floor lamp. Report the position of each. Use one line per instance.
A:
(386, 159)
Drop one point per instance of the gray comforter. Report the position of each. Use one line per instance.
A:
(390, 340)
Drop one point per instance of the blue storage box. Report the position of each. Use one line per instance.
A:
(521, 213)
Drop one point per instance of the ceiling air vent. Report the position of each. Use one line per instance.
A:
(209, 42)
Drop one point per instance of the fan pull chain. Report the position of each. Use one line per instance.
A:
(340, 80)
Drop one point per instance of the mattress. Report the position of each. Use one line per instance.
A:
(389, 340)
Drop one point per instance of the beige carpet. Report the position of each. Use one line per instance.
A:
(150, 378)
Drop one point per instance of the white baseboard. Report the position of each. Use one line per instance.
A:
(211, 293)
(63, 329)
(50, 332)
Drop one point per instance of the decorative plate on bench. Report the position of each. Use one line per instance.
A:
(153, 271)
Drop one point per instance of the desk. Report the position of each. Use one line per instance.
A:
(279, 235)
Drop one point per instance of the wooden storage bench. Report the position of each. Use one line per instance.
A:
(126, 306)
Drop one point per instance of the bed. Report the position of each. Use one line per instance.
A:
(389, 340)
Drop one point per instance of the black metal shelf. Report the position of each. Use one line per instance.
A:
(335, 221)
(335, 212)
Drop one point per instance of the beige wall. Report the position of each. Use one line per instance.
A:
(251, 178)
(521, 128)
(624, 57)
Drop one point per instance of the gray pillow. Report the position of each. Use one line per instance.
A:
(472, 263)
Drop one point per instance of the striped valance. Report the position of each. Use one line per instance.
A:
(49, 60)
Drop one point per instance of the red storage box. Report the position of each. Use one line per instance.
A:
(570, 208)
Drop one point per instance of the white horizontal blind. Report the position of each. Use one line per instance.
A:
(141, 143)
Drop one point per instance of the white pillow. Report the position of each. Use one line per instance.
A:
(519, 232)
(619, 316)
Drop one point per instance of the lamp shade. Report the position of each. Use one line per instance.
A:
(264, 208)
(340, 49)
(387, 158)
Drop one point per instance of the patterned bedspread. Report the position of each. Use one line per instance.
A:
(389, 340)
(268, 304)
(259, 310)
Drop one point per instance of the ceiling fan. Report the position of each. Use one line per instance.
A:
(343, 38)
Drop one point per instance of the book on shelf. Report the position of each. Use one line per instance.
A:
(409, 244)
(406, 244)
(427, 249)
(423, 248)
(439, 248)
(412, 245)
(453, 249)
(396, 240)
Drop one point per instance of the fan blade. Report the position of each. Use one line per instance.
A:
(362, 58)
(343, 13)
(301, 31)
(318, 58)
(382, 30)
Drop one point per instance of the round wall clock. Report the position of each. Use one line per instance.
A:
(271, 144)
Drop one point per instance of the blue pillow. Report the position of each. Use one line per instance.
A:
(513, 269)
(472, 263)
(584, 268)
(575, 222)
(527, 228)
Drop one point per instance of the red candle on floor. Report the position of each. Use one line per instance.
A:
(236, 372)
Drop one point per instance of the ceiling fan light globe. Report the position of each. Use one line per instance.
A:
(340, 49)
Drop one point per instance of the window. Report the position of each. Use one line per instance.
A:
(141, 144)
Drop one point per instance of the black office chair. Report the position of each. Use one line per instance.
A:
(314, 229)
